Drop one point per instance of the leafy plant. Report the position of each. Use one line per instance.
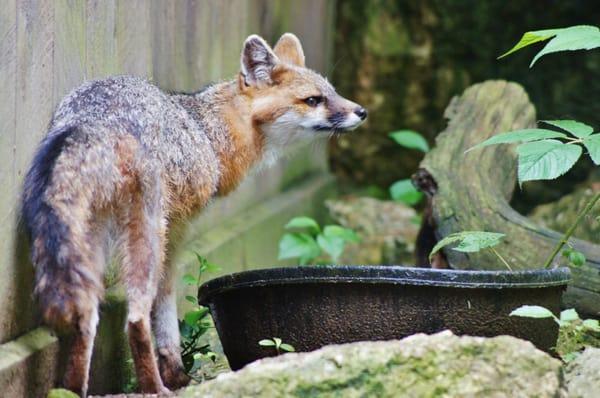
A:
(582, 37)
(472, 241)
(574, 333)
(278, 344)
(309, 241)
(196, 322)
(404, 191)
(545, 154)
(548, 153)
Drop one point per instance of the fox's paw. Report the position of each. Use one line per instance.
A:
(171, 369)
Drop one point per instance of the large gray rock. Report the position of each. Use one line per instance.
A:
(440, 365)
(583, 374)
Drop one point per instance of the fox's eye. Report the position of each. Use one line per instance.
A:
(313, 101)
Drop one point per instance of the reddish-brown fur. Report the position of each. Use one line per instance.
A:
(124, 157)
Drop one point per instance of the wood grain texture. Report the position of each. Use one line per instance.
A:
(100, 47)
(474, 189)
(8, 71)
(69, 46)
(33, 107)
(133, 36)
(48, 47)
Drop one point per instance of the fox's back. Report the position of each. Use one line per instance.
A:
(137, 117)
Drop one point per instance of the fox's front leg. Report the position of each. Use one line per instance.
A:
(166, 332)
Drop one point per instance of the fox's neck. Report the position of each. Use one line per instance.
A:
(225, 116)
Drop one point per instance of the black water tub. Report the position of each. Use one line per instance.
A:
(310, 307)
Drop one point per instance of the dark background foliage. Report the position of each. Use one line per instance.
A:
(404, 60)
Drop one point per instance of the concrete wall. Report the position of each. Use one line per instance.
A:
(48, 47)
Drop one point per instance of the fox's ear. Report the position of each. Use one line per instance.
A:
(258, 61)
(289, 49)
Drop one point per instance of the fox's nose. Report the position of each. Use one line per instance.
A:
(361, 113)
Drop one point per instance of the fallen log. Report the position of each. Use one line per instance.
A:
(471, 191)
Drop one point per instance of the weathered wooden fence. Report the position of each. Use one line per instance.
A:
(48, 47)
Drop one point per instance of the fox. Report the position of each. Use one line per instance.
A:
(120, 151)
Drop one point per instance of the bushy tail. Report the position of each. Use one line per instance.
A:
(65, 284)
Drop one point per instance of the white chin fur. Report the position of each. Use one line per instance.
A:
(285, 131)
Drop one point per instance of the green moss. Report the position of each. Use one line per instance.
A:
(573, 338)
(61, 393)
(426, 366)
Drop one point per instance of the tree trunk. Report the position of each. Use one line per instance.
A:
(471, 191)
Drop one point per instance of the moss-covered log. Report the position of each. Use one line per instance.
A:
(473, 190)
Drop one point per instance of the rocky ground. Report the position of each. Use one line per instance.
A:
(439, 365)
(387, 230)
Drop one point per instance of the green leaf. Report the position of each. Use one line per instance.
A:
(287, 347)
(530, 38)
(266, 343)
(546, 160)
(298, 245)
(277, 341)
(532, 311)
(469, 241)
(410, 139)
(525, 135)
(592, 144)
(567, 251)
(578, 129)
(192, 317)
(191, 299)
(346, 234)
(577, 258)
(332, 245)
(303, 222)
(405, 192)
(569, 315)
(190, 280)
(580, 37)
(211, 268)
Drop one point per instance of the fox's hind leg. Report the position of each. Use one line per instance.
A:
(80, 353)
(142, 263)
(82, 341)
(166, 332)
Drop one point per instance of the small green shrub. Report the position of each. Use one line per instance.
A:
(196, 322)
(309, 243)
(277, 344)
(472, 241)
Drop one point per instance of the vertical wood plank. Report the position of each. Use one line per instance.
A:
(162, 15)
(100, 44)
(181, 26)
(8, 70)
(133, 38)
(35, 50)
(215, 32)
(195, 42)
(69, 46)
(33, 107)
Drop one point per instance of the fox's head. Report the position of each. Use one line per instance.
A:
(288, 100)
